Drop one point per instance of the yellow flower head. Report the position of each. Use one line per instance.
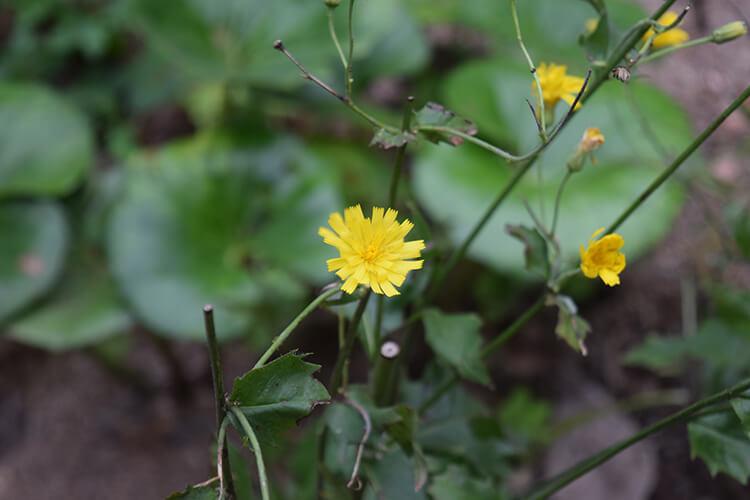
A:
(592, 140)
(675, 36)
(557, 84)
(372, 250)
(603, 258)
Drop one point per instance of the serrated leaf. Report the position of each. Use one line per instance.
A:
(535, 252)
(721, 446)
(570, 327)
(387, 139)
(456, 340)
(275, 396)
(741, 407)
(205, 491)
(434, 114)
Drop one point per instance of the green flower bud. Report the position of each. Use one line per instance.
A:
(729, 32)
(332, 4)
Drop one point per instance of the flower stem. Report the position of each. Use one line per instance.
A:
(214, 357)
(349, 61)
(295, 322)
(596, 460)
(674, 48)
(558, 197)
(672, 168)
(346, 350)
(335, 38)
(532, 68)
(248, 430)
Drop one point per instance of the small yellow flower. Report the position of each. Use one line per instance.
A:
(557, 84)
(592, 140)
(591, 25)
(603, 258)
(675, 36)
(372, 250)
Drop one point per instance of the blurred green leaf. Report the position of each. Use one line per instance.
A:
(32, 253)
(535, 251)
(46, 143)
(521, 414)
(277, 395)
(84, 310)
(596, 42)
(209, 221)
(387, 139)
(662, 354)
(392, 477)
(433, 114)
(456, 482)
(720, 444)
(456, 340)
(741, 407)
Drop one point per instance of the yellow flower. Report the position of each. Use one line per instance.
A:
(603, 258)
(592, 140)
(372, 250)
(675, 36)
(556, 84)
(591, 25)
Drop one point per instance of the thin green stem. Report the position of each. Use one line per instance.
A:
(214, 357)
(492, 346)
(672, 168)
(532, 68)
(350, 59)
(472, 139)
(335, 38)
(674, 48)
(221, 454)
(248, 430)
(295, 322)
(346, 350)
(558, 198)
(603, 456)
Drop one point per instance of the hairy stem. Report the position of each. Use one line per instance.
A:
(346, 350)
(532, 68)
(248, 431)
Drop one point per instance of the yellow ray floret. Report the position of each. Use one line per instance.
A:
(603, 258)
(557, 84)
(675, 36)
(372, 250)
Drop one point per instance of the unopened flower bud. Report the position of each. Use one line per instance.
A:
(332, 4)
(729, 32)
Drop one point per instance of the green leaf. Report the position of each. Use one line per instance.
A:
(471, 178)
(206, 221)
(392, 477)
(387, 139)
(277, 395)
(596, 42)
(741, 407)
(535, 250)
(81, 312)
(46, 143)
(524, 415)
(404, 432)
(457, 482)
(456, 340)
(436, 115)
(205, 491)
(32, 253)
(570, 327)
(662, 354)
(721, 446)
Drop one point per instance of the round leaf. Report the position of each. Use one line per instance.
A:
(201, 222)
(34, 242)
(46, 143)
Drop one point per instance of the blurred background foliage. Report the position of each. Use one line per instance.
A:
(156, 156)
(160, 155)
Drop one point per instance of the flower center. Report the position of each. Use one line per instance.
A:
(371, 253)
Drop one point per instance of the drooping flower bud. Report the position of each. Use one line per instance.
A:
(332, 4)
(592, 140)
(729, 32)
